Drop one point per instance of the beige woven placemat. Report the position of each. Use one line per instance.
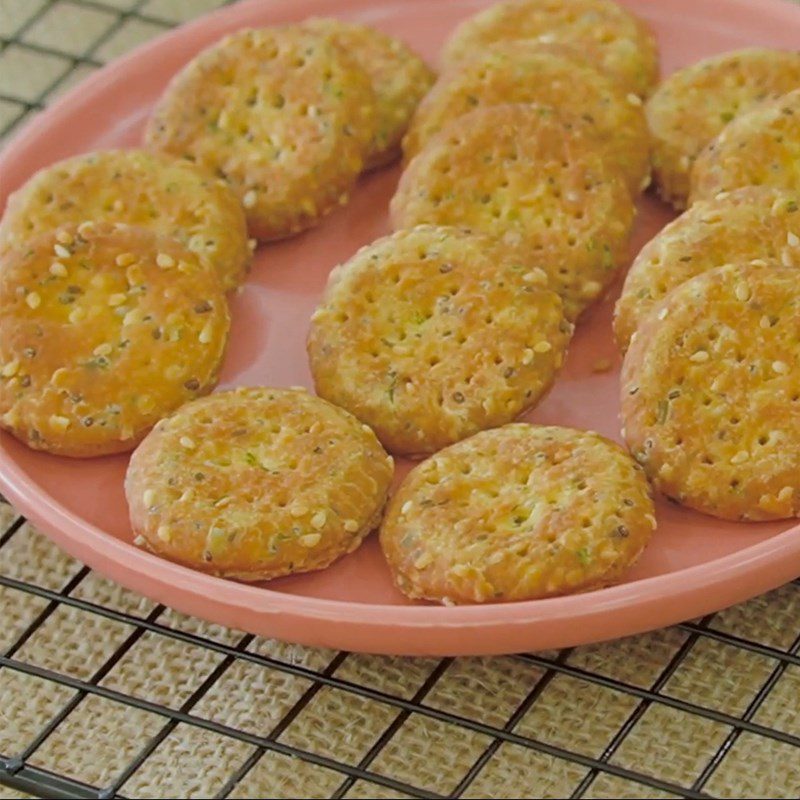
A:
(100, 688)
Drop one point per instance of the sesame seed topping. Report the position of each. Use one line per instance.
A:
(251, 244)
(406, 507)
(318, 520)
(139, 541)
(249, 199)
(85, 227)
(758, 262)
(77, 314)
(164, 260)
(423, 561)
(535, 276)
(764, 322)
(98, 281)
(699, 357)
(102, 349)
(740, 457)
(164, 533)
(310, 539)
(58, 269)
(187, 442)
(61, 251)
(33, 300)
(59, 423)
(298, 510)
(792, 239)
(205, 334)
(149, 497)
(132, 317)
(781, 367)
(125, 259)
(742, 291)
(527, 356)
(786, 493)
(543, 347)
(350, 525)
(786, 259)
(663, 313)
(10, 368)
(64, 237)
(117, 299)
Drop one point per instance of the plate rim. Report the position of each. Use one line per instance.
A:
(376, 627)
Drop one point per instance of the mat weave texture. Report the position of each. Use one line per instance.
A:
(104, 693)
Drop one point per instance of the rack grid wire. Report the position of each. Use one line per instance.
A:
(106, 694)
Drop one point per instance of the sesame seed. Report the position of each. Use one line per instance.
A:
(792, 239)
(85, 227)
(58, 375)
(591, 288)
(350, 525)
(205, 334)
(132, 317)
(187, 496)
(535, 276)
(139, 541)
(663, 313)
(77, 314)
(786, 259)
(298, 510)
(651, 520)
(10, 369)
(740, 457)
(527, 356)
(125, 259)
(781, 367)
(97, 281)
(58, 269)
(318, 520)
(164, 533)
(699, 357)
(59, 423)
(149, 497)
(310, 539)
(423, 561)
(222, 502)
(758, 262)
(117, 299)
(249, 199)
(764, 322)
(33, 300)
(64, 237)
(786, 493)
(187, 442)
(164, 260)
(251, 244)
(742, 291)
(406, 507)
(543, 347)
(61, 251)
(102, 349)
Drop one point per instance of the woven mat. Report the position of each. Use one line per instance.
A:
(101, 688)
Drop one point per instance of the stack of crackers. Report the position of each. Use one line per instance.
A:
(522, 163)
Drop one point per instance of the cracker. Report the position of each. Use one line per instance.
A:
(533, 177)
(759, 148)
(282, 114)
(753, 224)
(104, 329)
(400, 78)
(432, 334)
(256, 483)
(614, 39)
(135, 187)
(693, 105)
(711, 393)
(526, 71)
(517, 513)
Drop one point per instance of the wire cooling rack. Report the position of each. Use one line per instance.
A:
(708, 708)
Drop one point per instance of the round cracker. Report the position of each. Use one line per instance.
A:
(759, 148)
(432, 334)
(755, 224)
(693, 105)
(282, 114)
(526, 71)
(104, 329)
(257, 483)
(610, 36)
(533, 177)
(400, 79)
(135, 187)
(711, 393)
(517, 513)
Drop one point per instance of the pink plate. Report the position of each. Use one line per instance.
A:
(694, 565)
